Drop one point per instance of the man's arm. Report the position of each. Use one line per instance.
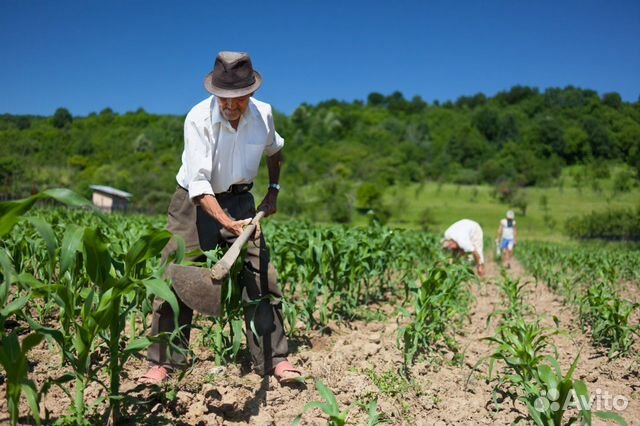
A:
(479, 266)
(270, 203)
(211, 206)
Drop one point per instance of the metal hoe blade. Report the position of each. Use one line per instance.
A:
(201, 288)
(196, 288)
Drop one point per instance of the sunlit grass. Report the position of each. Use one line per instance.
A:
(447, 203)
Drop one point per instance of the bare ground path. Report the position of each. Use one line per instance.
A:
(606, 379)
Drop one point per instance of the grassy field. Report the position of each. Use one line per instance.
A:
(434, 206)
(442, 204)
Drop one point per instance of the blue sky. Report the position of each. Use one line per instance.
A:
(89, 55)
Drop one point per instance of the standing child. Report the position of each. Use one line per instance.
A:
(507, 237)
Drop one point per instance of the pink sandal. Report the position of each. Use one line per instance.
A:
(155, 376)
(285, 373)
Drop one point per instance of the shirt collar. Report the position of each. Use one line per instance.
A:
(250, 113)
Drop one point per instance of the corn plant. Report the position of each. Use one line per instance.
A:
(331, 272)
(374, 419)
(441, 299)
(608, 316)
(225, 334)
(13, 353)
(588, 276)
(329, 406)
(13, 358)
(550, 394)
(103, 288)
(588, 263)
(515, 305)
(521, 345)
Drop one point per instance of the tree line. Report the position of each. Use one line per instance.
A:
(519, 137)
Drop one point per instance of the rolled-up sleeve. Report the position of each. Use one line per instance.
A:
(275, 142)
(198, 159)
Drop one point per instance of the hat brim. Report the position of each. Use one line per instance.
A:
(232, 93)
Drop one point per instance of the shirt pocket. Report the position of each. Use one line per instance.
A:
(252, 159)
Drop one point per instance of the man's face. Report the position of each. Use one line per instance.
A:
(451, 245)
(233, 108)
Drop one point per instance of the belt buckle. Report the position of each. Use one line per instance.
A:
(240, 188)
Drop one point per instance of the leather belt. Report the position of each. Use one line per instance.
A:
(238, 188)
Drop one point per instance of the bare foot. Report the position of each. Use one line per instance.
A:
(284, 372)
(155, 376)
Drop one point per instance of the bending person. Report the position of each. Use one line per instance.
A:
(465, 236)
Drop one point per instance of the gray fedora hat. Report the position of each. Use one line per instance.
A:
(232, 76)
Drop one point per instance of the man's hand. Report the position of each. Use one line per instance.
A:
(236, 226)
(480, 269)
(270, 203)
(210, 205)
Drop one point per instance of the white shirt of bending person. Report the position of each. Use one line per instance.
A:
(468, 235)
(216, 155)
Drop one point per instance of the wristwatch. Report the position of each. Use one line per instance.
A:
(275, 186)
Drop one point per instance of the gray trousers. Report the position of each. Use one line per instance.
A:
(258, 279)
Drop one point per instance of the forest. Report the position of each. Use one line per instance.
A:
(347, 152)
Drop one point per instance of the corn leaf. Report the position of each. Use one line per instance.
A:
(71, 244)
(609, 415)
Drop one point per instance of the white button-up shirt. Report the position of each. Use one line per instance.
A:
(468, 235)
(216, 155)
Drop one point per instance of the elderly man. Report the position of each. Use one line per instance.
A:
(225, 137)
(465, 236)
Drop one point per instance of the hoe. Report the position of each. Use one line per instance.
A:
(201, 288)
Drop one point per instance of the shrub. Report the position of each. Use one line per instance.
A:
(611, 224)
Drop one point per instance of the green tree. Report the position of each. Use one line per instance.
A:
(62, 118)
(368, 196)
(577, 146)
(612, 99)
(486, 121)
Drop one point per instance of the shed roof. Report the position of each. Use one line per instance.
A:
(111, 191)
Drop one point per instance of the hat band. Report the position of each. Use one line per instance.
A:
(231, 85)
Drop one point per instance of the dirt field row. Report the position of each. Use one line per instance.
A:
(359, 361)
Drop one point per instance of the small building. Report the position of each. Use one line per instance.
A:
(110, 199)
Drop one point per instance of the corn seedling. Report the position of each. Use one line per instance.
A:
(521, 346)
(550, 396)
(608, 316)
(329, 406)
(441, 299)
(94, 316)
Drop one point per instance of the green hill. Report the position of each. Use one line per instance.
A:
(347, 158)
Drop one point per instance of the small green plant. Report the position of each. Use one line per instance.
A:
(521, 346)
(374, 418)
(609, 318)
(390, 382)
(441, 300)
(225, 334)
(550, 394)
(329, 406)
(514, 298)
(13, 358)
